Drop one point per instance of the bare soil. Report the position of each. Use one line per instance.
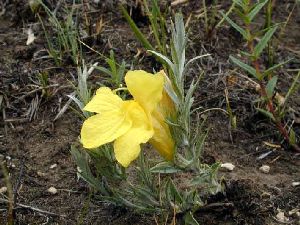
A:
(36, 148)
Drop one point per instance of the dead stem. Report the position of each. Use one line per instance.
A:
(34, 209)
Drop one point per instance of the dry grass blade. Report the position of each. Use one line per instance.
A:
(178, 2)
(34, 209)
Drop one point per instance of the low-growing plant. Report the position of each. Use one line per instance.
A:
(267, 103)
(159, 112)
(115, 72)
(210, 17)
(157, 24)
(63, 41)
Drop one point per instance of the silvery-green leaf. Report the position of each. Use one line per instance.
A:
(164, 58)
(165, 167)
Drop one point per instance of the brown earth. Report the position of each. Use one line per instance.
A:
(36, 148)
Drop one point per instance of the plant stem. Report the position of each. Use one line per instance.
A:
(270, 105)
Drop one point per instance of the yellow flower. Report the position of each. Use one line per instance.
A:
(132, 122)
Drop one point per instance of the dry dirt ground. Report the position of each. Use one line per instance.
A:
(36, 148)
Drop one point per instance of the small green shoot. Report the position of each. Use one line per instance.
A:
(247, 12)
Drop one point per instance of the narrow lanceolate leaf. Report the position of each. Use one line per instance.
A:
(271, 69)
(256, 9)
(164, 58)
(189, 219)
(164, 167)
(293, 88)
(271, 86)
(266, 113)
(292, 137)
(237, 27)
(172, 192)
(240, 3)
(264, 41)
(244, 66)
(139, 35)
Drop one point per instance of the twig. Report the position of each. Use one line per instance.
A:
(20, 176)
(214, 109)
(34, 209)
(36, 90)
(178, 2)
(3, 114)
(57, 7)
(217, 205)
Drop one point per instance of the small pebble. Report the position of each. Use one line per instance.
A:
(281, 217)
(19, 129)
(78, 169)
(264, 169)
(295, 184)
(228, 166)
(53, 166)
(52, 190)
(295, 212)
(3, 190)
(41, 174)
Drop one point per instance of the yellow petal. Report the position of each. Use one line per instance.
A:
(127, 147)
(145, 88)
(162, 139)
(104, 101)
(104, 128)
(125, 152)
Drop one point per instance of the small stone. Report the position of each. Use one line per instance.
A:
(295, 212)
(3, 190)
(53, 166)
(295, 184)
(52, 190)
(79, 170)
(41, 174)
(228, 166)
(19, 129)
(280, 99)
(281, 217)
(264, 169)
